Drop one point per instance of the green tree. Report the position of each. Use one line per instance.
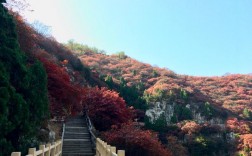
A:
(81, 49)
(181, 113)
(208, 110)
(121, 55)
(155, 73)
(130, 94)
(123, 83)
(247, 113)
(23, 91)
(134, 72)
(183, 95)
(109, 80)
(159, 125)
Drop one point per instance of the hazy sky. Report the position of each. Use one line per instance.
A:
(195, 37)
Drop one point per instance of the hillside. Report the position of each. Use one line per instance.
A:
(216, 105)
(134, 106)
(232, 92)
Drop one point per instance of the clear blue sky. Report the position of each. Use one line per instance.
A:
(194, 37)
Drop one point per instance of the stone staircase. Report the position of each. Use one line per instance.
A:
(77, 140)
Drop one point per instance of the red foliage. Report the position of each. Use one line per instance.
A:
(26, 34)
(65, 98)
(135, 141)
(176, 147)
(106, 107)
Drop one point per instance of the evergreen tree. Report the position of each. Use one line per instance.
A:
(23, 91)
(247, 113)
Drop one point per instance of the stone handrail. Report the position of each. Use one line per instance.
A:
(90, 129)
(63, 133)
(54, 149)
(103, 149)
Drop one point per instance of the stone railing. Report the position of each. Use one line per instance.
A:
(54, 149)
(103, 149)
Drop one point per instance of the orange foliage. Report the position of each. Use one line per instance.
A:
(241, 127)
(190, 127)
(246, 140)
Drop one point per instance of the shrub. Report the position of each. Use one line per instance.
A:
(65, 98)
(105, 107)
(135, 141)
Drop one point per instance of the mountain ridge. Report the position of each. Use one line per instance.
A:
(154, 78)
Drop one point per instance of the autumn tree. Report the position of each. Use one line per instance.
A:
(65, 98)
(175, 146)
(135, 142)
(105, 107)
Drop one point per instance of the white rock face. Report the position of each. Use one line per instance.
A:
(158, 108)
(198, 118)
(169, 113)
(156, 111)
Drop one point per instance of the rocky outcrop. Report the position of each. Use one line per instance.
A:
(158, 108)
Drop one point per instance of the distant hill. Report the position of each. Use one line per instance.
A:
(232, 92)
(203, 106)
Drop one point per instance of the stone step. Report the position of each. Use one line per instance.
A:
(76, 134)
(77, 137)
(87, 145)
(77, 140)
(76, 124)
(76, 127)
(76, 130)
(76, 120)
(71, 149)
(78, 154)
(77, 148)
